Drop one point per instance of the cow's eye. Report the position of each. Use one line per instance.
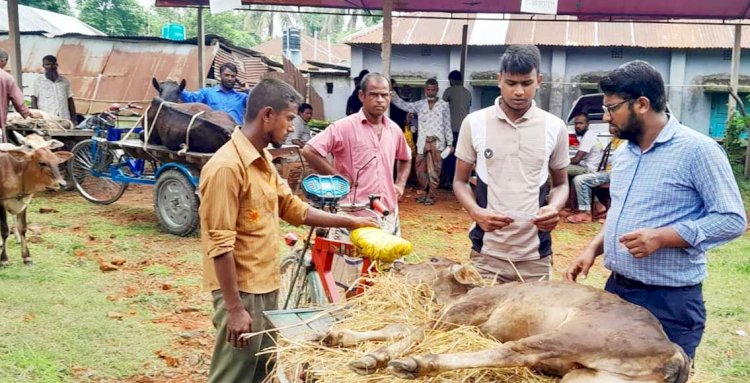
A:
(44, 164)
(434, 260)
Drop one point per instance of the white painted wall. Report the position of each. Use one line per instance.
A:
(335, 103)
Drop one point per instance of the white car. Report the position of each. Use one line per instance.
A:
(591, 104)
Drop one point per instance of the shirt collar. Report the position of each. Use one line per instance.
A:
(526, 116)
(363, 119)
(221, 89)
(247, 152)
(668, 132)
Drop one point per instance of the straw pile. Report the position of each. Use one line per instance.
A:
(391, 301)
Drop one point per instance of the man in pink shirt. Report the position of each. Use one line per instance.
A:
(9, 92)
(365, 147)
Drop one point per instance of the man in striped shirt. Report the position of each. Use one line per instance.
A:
(674, 197)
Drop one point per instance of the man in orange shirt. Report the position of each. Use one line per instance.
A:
(242, 199)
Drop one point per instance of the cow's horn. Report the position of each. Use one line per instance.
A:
(21, 139)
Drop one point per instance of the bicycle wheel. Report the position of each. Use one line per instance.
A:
(306, 290)
(97, 189)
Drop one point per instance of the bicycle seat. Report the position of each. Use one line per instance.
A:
(325, 189)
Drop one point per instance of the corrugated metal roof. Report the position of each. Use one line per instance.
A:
(112, 69)
(487, 32)
(340, 53)
(32, 19)
(643, 9)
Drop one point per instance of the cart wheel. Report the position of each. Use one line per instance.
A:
(307, 290)
(100, 190)
(176, 203)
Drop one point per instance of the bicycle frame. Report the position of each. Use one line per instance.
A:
(323, 250)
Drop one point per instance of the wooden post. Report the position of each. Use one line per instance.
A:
(734, 79)
(15, 38)
(387, 27)
(201, 49)
(464, 49)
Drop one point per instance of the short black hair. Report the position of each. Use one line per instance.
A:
(50, 59)
(229, 66)
(582, 114)
(304, 106)
(520, 59)
(370, 77)
(455, 76)
(3, 55)
(636, 79)
(431, 81)
(271, 92)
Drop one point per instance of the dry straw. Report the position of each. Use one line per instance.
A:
(391, 301)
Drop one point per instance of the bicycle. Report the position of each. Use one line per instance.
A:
(307, 276)
(95, 165)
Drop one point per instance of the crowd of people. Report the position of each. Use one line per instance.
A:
(673, 193)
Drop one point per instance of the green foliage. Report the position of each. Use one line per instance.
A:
(114, 17)
(733, 142)
(229, 25)
(58, 6)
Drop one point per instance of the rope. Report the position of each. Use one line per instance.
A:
(146, 127)
(184, 148)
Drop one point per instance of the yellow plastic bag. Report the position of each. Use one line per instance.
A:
(375, 243)
(409, 136)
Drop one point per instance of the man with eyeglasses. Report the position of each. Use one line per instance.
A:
(674, 197)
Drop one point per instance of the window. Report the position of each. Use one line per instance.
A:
(426, 51)
(616, 53)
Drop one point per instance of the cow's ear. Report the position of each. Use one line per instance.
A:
(54, 144)
(466, 275)
(156, 85)
(19, 155)
(64, 156)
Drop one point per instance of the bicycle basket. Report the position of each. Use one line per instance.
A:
(325, 189)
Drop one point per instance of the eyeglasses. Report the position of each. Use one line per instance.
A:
(609, 109)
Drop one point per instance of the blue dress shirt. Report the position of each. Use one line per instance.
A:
(683, 181)
(217, 98)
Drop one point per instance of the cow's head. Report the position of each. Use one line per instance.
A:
(42, 164)
(448, 278)
(169, 90)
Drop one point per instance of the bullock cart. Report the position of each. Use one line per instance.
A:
(104, 165)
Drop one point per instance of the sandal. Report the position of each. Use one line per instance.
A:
(428, 201)
(421, 199)
(578, 218)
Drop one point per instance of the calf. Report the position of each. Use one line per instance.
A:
(580, 333)
(26, 170)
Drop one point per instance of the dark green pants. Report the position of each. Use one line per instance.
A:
(229, 364)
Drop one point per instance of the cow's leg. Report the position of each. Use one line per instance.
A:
(21, 228)
(348, 338)
(4, 233)
(526, 352)
(369, 363)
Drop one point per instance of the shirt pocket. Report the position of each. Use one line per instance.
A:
(257, 211)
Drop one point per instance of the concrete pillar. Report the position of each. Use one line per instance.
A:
(677, 65)
(557, 75)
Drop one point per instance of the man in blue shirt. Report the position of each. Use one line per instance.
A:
(674, 197)
(222, 97)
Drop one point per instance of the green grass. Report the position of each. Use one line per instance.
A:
(53, 316)
(54, 324)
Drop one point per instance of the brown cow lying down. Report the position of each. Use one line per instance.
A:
(26, 170)
(583, 334)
